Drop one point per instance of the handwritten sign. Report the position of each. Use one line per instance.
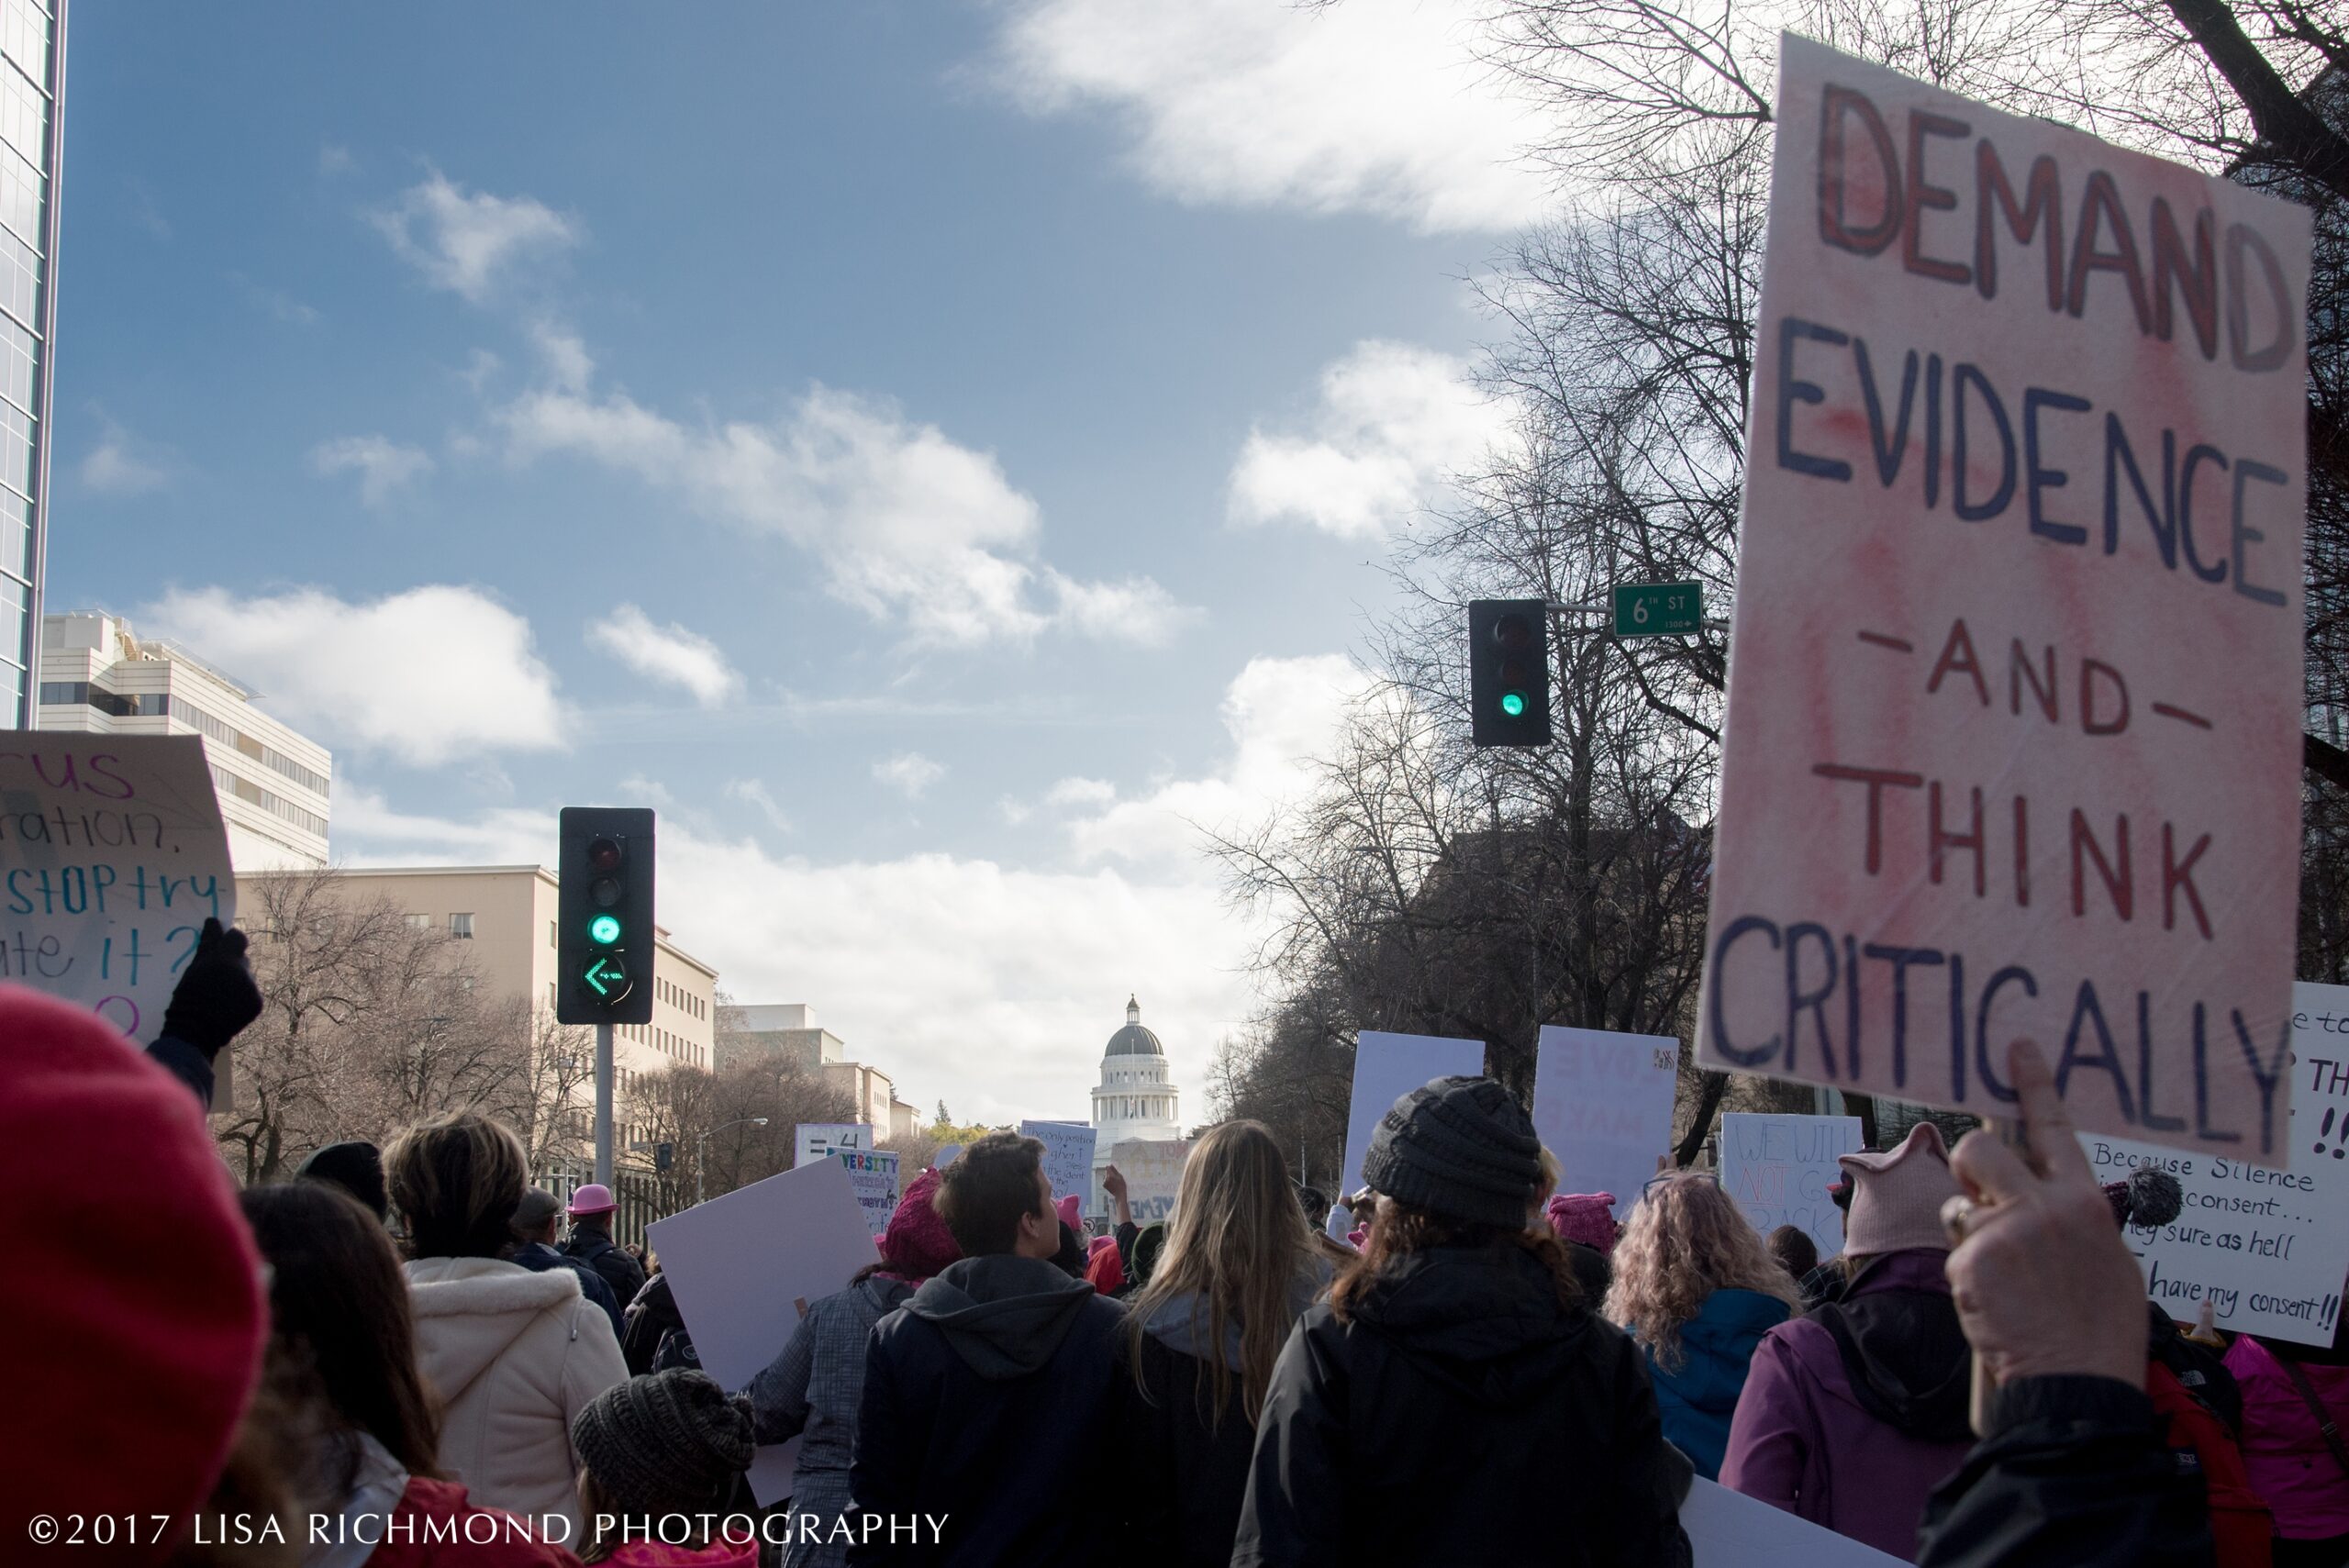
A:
(2268, 1249)
(2013, 740)
(1068, 1158)
(741, 1266)
(874, 1174)
(1779, 1168)
(815, 1140)
(1153, 1172)
(1602, 1103)
(112, 856)
(1388, 1067)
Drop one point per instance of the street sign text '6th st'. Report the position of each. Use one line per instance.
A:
(1658, 609)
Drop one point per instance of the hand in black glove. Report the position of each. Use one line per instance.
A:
(216, 996)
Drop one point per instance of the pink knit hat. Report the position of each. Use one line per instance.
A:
(1896, 1197)
(1068, 1206)
(915, 1244)
(1587, 1217)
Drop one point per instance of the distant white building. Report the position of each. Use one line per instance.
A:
(97, 677)
(1134, 1099)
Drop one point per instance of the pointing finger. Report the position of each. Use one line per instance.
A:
(1989, 1171)
(2055, 1146)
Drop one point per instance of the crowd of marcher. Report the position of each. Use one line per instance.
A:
(391, 1360)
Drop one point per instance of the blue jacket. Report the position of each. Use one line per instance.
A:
(1700, 1396)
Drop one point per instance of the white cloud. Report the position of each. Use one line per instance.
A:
(908, 773)
(383, 465)
(753, 793)
(1392, 423)
(910, 527)
(469, 242)
(569, 366)
(119, 465)
(988, 986)
(1283, 715)
(1081, 792)
(1370, 106)
(428, 675)
(669, 653)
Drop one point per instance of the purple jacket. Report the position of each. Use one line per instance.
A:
(1802, 1441)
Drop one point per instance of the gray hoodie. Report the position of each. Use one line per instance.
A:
(1004, 1315)
(1180, 1321)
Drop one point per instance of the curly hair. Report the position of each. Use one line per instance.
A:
(1685, 1239)
(1399, 1229)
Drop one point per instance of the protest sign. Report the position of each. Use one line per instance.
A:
(2013, 726)
(1068, 1158)
(947, 1156)
(874, 1174)
(1729, 1529)
(1154, 1171)
(1602, 1103)
(112, 856)
(743, 1267)
(1388, 1066)
(2268, 1249)
(1779, 1168)
(814, 1140)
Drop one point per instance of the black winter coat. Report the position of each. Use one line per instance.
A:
(2076, 1472)
(538, 1257)
(1461, 1415)
(592, 1247)
(988, 1401)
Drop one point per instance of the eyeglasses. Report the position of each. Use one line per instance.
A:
(1661, 1178)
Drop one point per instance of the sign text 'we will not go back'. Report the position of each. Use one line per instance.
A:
(2013, 727)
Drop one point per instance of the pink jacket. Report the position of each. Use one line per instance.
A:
(2290, 1467)
(652, 1555)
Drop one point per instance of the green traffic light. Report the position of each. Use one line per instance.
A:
(604, 930)
(1513, 704)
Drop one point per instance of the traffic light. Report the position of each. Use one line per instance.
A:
(603, 916)
(664, 1155)
(1508, 673)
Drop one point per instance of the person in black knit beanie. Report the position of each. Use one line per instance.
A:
(660, 1457)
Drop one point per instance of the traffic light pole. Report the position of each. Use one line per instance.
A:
(604, 1104)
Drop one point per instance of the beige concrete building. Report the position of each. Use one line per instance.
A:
(787, 1034)
(507, 912)
(97, 677)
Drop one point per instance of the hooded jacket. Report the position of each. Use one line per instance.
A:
(538, 1257)
(593, 1245)
(1851, 1417)
(1698, 1394)
(986, 1405)
(1461, 1415)
(811, 1391)
(1187, 1511)
(514, 1356)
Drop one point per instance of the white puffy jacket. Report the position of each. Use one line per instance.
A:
(514, 1356)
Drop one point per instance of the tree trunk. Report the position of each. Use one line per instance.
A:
(2289, 126)
(1863, 1106)
(1700, 1125)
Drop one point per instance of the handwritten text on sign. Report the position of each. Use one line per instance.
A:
(1779, 1168)
(1068, 1159)
(874, 1174)
(112, 856)
(1602, 1103)
(2269, 1249)
(1153, 1172)
(2013, 729)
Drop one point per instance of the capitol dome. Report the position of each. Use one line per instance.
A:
(1133, 1039)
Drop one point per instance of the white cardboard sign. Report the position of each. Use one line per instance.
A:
(744, 1266)
(1729, 1529)
(112, 855)
(1779, 1168)
(2013, 727)
(1602, 1103)
(2268, 1248)
(1153, 1172)
(1068, 1158)
(814, 1140)
(1388, 1067)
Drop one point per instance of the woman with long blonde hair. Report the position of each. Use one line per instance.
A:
(1696, 1290)
(1238, 1266)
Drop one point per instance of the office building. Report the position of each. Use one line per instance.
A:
(32, 98)
(786, 1035)
(99, 677)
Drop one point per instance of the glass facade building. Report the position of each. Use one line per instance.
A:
(32, 92)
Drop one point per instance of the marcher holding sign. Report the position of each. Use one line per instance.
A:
(2014, 741)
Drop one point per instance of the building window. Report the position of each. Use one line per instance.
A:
(461, 926)
(550, 994)
(418, 922)
(551, 940)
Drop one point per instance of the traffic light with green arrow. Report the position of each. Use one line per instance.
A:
(603, 916)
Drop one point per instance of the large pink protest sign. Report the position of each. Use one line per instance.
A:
(2014, 718)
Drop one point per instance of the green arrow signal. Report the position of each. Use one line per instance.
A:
(608, 977)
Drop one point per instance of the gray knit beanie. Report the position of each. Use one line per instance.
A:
(669, 1443)
(1462, 1149)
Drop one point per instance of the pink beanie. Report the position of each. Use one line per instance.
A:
(1587, 1217)
(1896, 1196)
(1068, 1206)
(916, 1243)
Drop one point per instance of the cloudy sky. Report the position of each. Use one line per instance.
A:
(936, 453)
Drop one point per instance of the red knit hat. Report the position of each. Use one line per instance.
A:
(1106, 1268)
(915, 1244)
(136, 1311)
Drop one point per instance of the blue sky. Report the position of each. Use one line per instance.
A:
(936, 453)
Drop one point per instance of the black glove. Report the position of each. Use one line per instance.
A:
(216, 996)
